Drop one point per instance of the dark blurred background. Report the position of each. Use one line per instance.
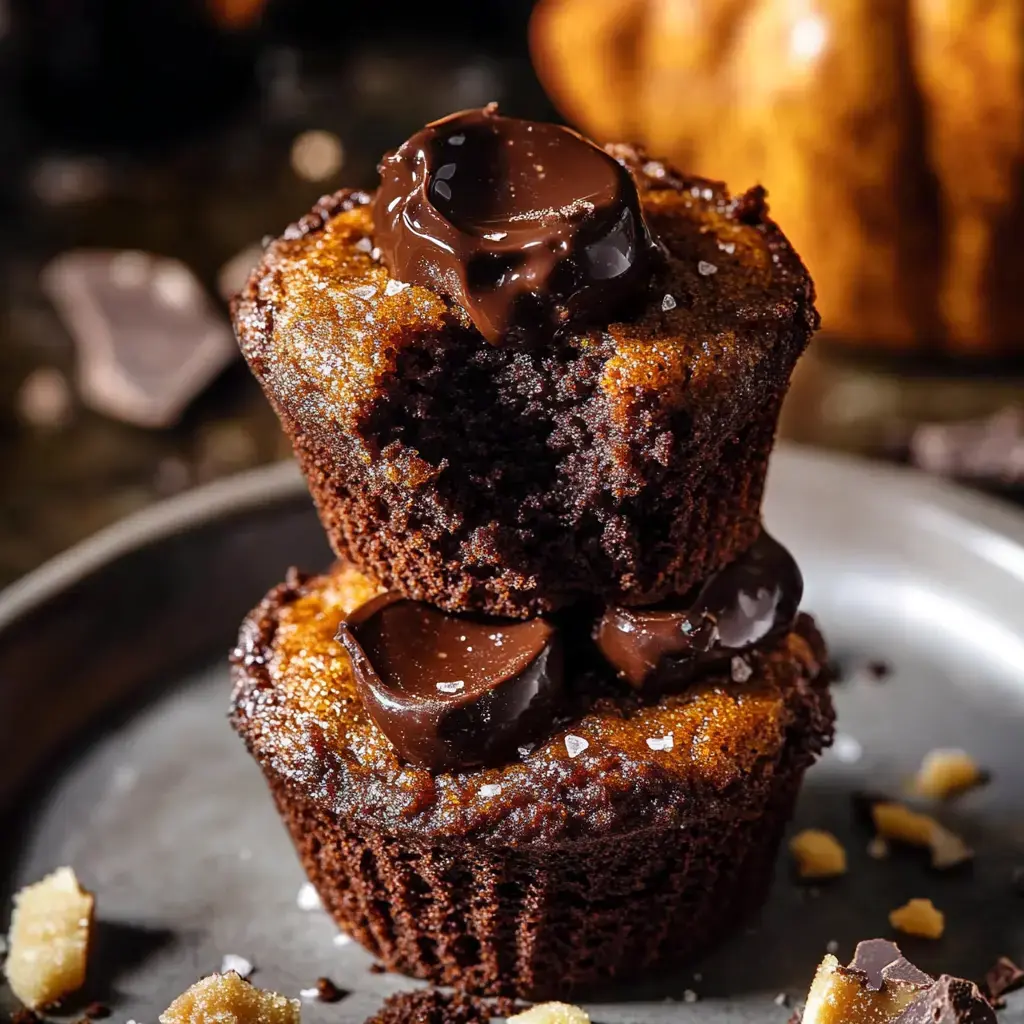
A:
(146, 149)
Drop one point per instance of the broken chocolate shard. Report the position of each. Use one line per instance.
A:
(148, 339)
(949, 1001)
(753, 598)
(1003, 977)
(883, 963)
(452, 692)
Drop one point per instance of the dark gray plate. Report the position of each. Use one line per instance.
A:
(115, 756)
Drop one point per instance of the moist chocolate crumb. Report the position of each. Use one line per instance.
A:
(878, 669)
(378, 969)
(431, 1006)
(328, 992)
(97, 1011)
(1003, 977)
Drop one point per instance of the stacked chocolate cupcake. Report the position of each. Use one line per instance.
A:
(544, 722)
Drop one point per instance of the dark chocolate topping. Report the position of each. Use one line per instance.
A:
(528, 226)
(752, 598)
(451, 692)
(949, 1001)
(882, 963)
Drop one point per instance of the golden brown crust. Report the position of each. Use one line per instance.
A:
(296, 706)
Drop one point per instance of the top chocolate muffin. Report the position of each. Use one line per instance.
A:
(531, 370)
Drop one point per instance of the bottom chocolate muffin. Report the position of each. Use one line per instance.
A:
(633, 834)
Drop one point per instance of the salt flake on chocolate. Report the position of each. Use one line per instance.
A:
(661, 742)
(455, 686)
(741, 670)
(575, 745)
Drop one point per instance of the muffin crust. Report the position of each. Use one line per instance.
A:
(625, 463)
(296, 706)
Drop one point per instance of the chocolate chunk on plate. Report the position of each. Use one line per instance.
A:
(147, 336)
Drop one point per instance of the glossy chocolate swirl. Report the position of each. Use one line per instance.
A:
(750, 600)
(528, 226)
(451, 692)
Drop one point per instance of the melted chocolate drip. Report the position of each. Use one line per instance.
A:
(528, 226)
(748, 601)
(451, 692)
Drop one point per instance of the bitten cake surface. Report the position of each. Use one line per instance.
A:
(624, 461)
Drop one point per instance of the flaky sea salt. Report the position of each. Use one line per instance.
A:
(575, 745)
(689, 996)
(394, 287)
(660, 742)
(364, 291)
(729, 247)
(705, 268)
(309, 993)
(308, 898)
(233, 962)
(364, 245)
(668, 303)
(455, 686)
(490, 789)
(741, 670)
(341, 939)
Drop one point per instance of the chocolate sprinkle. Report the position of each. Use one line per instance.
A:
(328, 992)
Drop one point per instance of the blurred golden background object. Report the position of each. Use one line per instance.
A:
(889, 133)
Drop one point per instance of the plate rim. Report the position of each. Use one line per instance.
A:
(282, 481)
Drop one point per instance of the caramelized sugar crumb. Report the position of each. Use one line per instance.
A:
(49, 939)
(947, 773)
(919, 917)
(818, 854)
(551, 1013)
(227, 999)
(900, 823)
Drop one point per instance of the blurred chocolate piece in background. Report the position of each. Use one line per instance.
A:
(148, 339)
(985, 451)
